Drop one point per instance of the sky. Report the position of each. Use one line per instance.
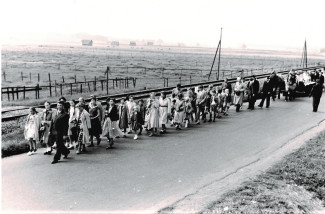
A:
(261, 24)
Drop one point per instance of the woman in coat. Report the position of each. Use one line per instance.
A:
(47, 117)
(179, 112)
(123, 116)
(84, 125)
(239, 93)
(152, 114)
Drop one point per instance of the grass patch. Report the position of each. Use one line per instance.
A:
(14, 143)
(294, 185)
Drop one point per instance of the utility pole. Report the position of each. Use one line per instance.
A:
(219, 52)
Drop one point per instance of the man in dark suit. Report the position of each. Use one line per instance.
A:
(316, 92)
(60, 125)
(266, 93)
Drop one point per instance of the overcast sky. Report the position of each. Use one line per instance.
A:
(275, 24)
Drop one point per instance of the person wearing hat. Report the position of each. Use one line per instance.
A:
(266, 93)
(60, 125)
(31, 131)
(239, 93)
(82, 101)
(84, 126)
(316, 92)
(200, 105)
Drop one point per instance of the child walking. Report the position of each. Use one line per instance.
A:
(179, 112)
(188, 111)
(136, 121)
(31, 131)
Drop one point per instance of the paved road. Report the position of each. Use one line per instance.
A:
(152, 173)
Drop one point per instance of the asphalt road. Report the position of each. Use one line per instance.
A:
(151, 173)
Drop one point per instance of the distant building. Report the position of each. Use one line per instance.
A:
(87, 42)
(115, 43)
(133, 44)
(149, 43)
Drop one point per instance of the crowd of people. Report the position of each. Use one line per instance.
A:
(74, 125)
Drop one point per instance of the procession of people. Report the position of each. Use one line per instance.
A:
(75, 125)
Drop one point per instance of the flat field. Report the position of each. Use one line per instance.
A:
(31, 65)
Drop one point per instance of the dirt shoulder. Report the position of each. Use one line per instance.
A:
(285, 180)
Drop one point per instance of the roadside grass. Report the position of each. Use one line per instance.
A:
(294, 185)
(14, 143)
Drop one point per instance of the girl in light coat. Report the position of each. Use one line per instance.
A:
(31, 131)
(152, 114)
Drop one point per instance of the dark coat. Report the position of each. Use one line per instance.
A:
(113, 114)
(61, 124)
(316, 91)
(267, 87)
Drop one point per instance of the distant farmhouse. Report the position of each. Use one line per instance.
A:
(133, 44)
(115, 43)
(149, 43)
(87, 42)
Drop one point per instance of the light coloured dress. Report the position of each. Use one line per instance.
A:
(32, 127)
(238, 98)
(179, 111)
(153, 113)
(164, 110)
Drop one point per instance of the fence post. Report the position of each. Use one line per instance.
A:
(180, 80)
(201, 75)
(13, 93)
(17, 92)
(61, 89)
(4, 75)
(8, 94)
(71, 88)
(95, 84)
(62, 78)
(88, 86)
(30, 76)
(107, 70)
(116, 82)
(81, 88)
(164, 82)
(75, 78)
(22, 76)
(190, 79)
(50, 89)
(38, 77)
(113, 83)
(36, 92)
(55, 88)
(24, 92)
(134, 79)
(49, 78)
(101, 82)
(85, 79)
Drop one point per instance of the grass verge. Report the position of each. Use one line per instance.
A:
(294, 185)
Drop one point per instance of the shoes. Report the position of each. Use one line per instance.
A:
(140, 133)
(135, 137)
(124, 136)
(204, 121)
(98, 141)
(267, 106)
(29, 153)
(66, 155)
(91, 145)
(54, 162)
(214, 120)
(260, 106)
(119, 136)
(151, 134)
(210, 120)
(197, 123)
(129, 132)
(78, 152)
